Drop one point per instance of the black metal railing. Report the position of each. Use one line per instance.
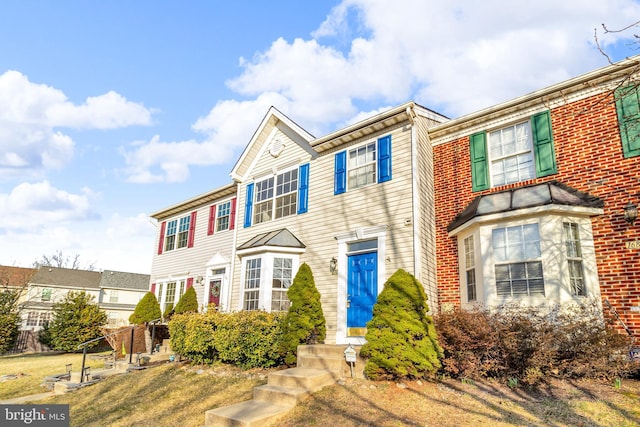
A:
(83, 371)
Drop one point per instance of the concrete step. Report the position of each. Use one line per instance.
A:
(285, 396)
(322, 350)
(305, 378)
(250, 413)
(333, 364)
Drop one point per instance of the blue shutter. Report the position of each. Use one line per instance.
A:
(340, 178)
(384, 159)
(248, 206)
(303, 188)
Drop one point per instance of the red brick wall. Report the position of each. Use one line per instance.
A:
(589, 158)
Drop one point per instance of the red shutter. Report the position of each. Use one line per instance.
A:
(153, 288)
(212, 220)
(232, 219)
(192, 229)
(189, 282)
(163, 226)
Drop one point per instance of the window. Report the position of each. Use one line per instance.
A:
(363, 165)
(286, 189)
(252, 284)
(112, 318)
(170, 297)
(513, 154)
(282, 276)
(113, 295)
(266, 280)
(46, 294)
(574, 259)
(223, 216)
(277, 197)
(470, 270)
(628, 110)
(177, 233)
(35, 318)
(518, 268)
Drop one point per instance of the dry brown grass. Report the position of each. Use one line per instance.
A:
(175, 395)
(32, 368)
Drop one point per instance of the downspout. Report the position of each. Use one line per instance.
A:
(417, 248)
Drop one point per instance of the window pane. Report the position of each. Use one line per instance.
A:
(362, 166)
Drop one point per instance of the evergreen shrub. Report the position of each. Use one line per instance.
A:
(304, 322)
(188, 302)
(401, 336)
(146, 310)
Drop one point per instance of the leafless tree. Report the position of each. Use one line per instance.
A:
(60, 260)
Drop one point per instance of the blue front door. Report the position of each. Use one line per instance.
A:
(362, 288)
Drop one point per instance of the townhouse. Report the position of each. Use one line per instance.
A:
(529, 202)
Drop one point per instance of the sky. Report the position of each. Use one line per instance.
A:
(113, 110)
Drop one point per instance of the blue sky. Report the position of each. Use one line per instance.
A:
(110, 111)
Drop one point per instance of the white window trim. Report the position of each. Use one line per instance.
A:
(177, 234)
(491, 159)
(274, 174)
(266, 274)
(554, 262)
(375, 164)
(163, 282)
(215, 220)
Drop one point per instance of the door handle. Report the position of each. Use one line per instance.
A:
(348, 303)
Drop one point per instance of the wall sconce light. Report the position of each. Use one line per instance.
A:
(630, 212)
(333, 265)
(199, 280)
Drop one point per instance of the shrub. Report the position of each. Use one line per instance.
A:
(192, 336)
(146, 310)
(247, 339)
(531, 345)
(168, 312)
(304, 322)
(76, 319)
(9, 319)
(401, 337)
(188, 302)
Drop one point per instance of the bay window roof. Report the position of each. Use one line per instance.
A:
(548, 193)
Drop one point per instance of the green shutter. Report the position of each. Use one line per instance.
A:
(543, 150)
(479, 161)
(628, 108)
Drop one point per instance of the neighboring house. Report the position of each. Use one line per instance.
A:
(519, 203)
(16, 279)
(115, 292)
(120, 292)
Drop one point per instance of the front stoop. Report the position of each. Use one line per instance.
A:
(317, 368)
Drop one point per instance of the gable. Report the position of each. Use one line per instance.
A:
(278, 142)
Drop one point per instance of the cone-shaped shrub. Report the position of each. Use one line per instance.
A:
(304, 322)
(401, 337)
(147, 310)
(188, 302)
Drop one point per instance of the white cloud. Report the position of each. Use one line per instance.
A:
(33, 206)
(30, 115)
(125, 244)
(454, 57)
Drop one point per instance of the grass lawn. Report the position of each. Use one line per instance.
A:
(176, 395)
(31, 369)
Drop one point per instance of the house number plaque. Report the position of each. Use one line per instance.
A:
(633, 245)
